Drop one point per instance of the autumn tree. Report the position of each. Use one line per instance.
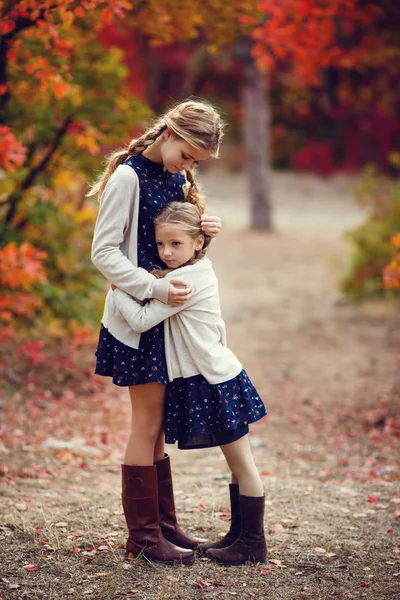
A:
(63, 98)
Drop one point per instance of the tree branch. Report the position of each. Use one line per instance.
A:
(31, 177)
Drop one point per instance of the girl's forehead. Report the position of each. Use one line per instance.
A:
(195, 153)
(166, 230)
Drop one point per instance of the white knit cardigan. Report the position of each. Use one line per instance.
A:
(114, 251)
(195, 335)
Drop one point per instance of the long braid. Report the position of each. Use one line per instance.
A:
(136, 146)
(146, 139)
(193, 194)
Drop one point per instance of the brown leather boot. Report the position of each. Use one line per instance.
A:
(169, 526)
(250, 546)
(234, 530)
(140, 502)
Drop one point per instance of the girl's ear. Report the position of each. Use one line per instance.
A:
(200, 242)
(167, 134)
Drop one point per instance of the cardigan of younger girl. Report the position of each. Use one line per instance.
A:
(195, 337)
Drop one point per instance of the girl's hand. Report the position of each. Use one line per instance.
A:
(210, 225)
(179, 292)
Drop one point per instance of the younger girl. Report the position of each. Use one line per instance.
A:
(137, 183)
(210, 399)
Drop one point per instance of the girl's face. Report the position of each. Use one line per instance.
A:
(175, 246)
(178, 155)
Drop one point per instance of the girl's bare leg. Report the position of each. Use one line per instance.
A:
(159, 448)
(146, 434)
(240, 461)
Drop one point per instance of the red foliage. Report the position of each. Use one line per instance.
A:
(130, 43)
(12, 153)
(353, 142)
(314, 35)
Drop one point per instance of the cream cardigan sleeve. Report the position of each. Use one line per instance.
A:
(114, 218)
(143, 317)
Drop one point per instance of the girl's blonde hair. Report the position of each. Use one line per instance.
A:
(187, 217)
(196, 122)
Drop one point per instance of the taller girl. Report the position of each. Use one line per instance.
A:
(137, 183)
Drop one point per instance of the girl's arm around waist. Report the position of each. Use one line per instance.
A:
(112, 220)
(142, 317)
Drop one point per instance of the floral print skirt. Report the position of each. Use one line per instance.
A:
(201, 415)
(128, 366)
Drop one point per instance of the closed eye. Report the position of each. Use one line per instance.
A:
(187, 158)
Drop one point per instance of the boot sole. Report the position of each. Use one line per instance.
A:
(170, 563)
(238, 562)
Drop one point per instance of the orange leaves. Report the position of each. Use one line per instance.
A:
(12, 152)
(21, 268)
(391, 273)
(315, 35)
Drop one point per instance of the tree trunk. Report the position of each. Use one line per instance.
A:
(256, 127)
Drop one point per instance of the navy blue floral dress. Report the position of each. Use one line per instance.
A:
(197, 414)
(126, 365)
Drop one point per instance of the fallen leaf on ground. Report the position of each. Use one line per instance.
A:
(277, 562)
(203, 584)
(277, 528)
(31, 567)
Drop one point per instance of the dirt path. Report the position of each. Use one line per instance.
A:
(328, 450)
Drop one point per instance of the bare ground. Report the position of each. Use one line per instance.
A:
(328, 450)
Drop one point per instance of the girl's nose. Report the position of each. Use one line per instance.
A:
(187, 165)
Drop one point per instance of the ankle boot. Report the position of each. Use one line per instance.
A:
(234, 530)
(169, 526)
(140, 503)
(250, 546)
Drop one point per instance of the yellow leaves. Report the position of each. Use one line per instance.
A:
(83, 216)
(87, 141)
(63, 180)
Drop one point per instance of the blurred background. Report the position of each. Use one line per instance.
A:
(310, 94)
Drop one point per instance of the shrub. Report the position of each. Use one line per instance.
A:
(371, 242)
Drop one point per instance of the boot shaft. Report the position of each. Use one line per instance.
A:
(252, 514)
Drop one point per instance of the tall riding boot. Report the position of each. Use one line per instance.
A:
(169, 526)
(234, 530)
(250, 546)
(140, 502)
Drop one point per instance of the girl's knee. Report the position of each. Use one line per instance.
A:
(147, 426)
